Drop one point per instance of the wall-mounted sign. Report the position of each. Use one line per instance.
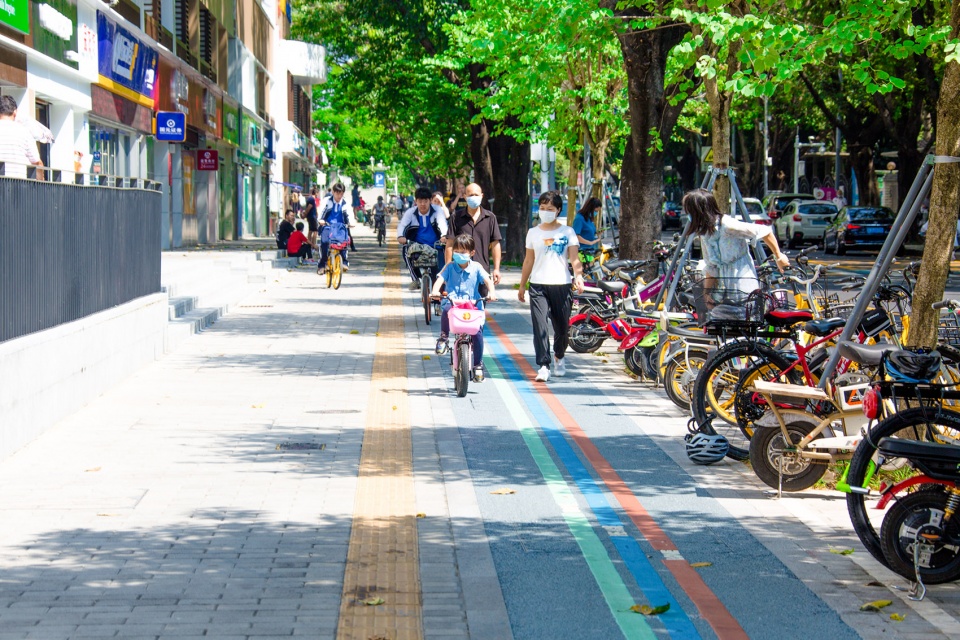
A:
(14, 14)
(210, 108)
(231, 124)
(379, 179)
(55, 22)
(180, 91)
(268, 148)
(171, 126)
(208, 160)
(127, 66)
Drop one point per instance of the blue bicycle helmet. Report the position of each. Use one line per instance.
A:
(704, 448)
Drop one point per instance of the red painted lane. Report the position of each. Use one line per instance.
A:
(711, 608)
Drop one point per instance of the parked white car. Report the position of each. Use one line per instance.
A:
(804, 222)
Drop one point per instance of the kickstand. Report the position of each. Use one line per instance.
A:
(917, 591)
(779, 493)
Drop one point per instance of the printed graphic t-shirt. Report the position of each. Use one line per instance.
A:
(550, 254)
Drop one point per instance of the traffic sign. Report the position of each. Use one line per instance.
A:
(208, 160)
(379, 179)
(171, 126)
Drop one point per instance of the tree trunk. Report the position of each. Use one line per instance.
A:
(719, 102)
(651, 122)
(944, 201)
(510, 164)
(862, 158)
(480, 138)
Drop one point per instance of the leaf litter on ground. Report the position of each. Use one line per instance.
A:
(647, 610)
(876, 605)
(503, 492)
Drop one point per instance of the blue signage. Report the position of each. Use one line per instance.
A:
(268, 151)
(171, 126)
(379, 179)
(126, 65)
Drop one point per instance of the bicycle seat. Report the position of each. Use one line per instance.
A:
(610, 287)
(870, 354)
(621, 263)
(787, 317)
(680, 332)
(823, 327)
(630, 275)
(939, 461)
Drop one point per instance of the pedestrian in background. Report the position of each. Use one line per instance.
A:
(549, 247)
(298, 246)
(585, 227)
(18, 149)
(285, 230)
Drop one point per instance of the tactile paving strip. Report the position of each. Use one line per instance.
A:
(382, 559)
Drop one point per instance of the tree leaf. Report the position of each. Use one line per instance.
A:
(697, 565)
(841, 552)
(505, 491)
(647, 610)
(898, 617)
(372, 602)
(876, 605)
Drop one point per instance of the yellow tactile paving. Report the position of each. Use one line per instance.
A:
(382, 559)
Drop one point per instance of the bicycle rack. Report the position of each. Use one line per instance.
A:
(682, 252)
(905, 217)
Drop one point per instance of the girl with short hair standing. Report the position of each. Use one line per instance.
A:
(550, 246)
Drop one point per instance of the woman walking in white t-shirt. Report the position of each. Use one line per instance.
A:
(549, 246)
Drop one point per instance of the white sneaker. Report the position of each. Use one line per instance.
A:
(559, 367)
(544, 374)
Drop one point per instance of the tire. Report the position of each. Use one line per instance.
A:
(426, 284)
(791, 240)
(679, 377)
(841, 248)
(721, 373)
(638, 360)
(766, 449)
(329, 273)
(911, 423)
(910, 512)
(461, 377)
(585, 343)
(380, 236)
(337, 271)
(827, 248)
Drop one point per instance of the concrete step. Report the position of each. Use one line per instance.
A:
(178, 307)
(203, 287)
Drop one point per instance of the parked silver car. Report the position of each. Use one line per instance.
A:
(804, 221)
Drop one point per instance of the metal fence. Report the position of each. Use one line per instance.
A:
(67, 251)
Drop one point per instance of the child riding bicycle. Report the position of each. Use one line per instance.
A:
(463, 279)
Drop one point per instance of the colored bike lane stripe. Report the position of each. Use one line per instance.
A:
(708, 604)
(614, 591)
(675, 620)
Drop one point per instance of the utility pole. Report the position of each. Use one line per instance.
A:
(796, 162)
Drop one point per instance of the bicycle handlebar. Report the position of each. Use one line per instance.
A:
(946, 304)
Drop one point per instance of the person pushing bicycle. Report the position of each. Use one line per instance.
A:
(463, 278)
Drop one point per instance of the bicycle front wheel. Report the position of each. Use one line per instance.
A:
(329, 271)
(426, 284)
(716, 383)
(461, 377)
(931, 424)
(337, 271)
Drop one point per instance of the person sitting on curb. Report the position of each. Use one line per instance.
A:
(298, 246)
(285, 230)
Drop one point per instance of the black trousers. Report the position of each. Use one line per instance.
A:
(305, 252)
(550, 304)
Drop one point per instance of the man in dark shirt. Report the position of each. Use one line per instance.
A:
(285, 229)
(482, 225)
